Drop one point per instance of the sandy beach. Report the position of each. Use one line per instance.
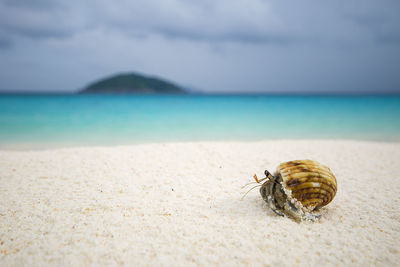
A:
(179, 204)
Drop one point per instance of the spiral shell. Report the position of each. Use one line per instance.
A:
(308, 182)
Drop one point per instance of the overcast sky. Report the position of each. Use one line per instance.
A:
(208, 45)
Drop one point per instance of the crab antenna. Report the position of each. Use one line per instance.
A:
(249, 184)
(256, 182)
(249, 191)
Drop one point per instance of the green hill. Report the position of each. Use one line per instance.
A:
(133, 83)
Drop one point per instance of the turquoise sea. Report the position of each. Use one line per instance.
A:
(34, 121)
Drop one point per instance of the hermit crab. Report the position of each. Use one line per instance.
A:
(298, 188)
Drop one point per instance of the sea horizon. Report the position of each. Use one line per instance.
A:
(200, 93)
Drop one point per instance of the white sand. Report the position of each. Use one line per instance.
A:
(179, 205)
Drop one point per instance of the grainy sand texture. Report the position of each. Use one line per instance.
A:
(180, 204)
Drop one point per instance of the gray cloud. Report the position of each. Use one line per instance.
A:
(380, 20)
(5, 43)
(39, 19)
(238, 21)
(195, 20)
(217, 45)
(47, 5)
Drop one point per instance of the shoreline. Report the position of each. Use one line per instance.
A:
(43, 146)
(180, 204)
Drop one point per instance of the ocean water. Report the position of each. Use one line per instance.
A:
(28, 121)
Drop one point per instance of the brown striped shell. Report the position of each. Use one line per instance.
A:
(298, 187)
(309, 182)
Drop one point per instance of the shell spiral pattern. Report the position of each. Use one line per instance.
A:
(309, 182)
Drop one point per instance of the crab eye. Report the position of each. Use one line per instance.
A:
(268, 174)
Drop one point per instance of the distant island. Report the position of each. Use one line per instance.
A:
(132, 83)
